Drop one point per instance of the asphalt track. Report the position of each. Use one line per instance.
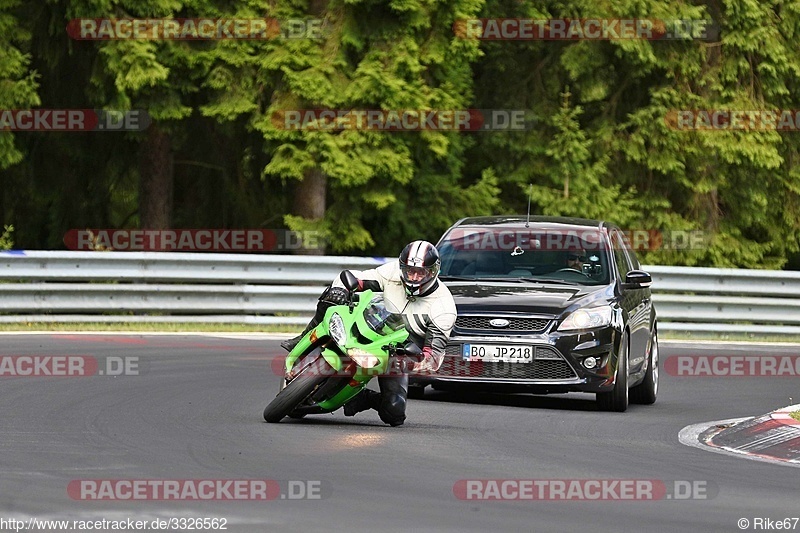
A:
(194, 412)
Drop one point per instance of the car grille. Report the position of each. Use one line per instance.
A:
(538, 369)
(481, 323)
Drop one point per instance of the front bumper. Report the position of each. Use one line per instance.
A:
(557, 365)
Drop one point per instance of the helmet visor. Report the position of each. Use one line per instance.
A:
(417, 275)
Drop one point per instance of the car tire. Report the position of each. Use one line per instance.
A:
(647, 391)
(416, 392)
(617, 399)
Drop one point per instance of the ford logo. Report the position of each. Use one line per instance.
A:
(499, 323)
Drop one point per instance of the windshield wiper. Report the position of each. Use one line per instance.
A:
(512, 280)
(547, 280)
(465, 278)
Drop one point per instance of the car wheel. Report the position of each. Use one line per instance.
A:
(617, 398)
(416, 392)
(647, 391)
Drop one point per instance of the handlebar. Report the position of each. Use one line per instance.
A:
(396, 349)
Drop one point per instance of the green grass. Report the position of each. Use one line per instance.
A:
(150, 327)
(182, 327)
(795, 415)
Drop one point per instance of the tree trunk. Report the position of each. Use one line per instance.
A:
(310, 195)
(714, 211)
(156, 179)
(309, 203)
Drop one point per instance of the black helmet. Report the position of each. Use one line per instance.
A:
(419, 267)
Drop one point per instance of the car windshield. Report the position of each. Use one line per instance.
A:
(546, 254)
(380, 319)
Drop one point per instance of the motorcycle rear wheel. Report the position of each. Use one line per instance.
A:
(297, 390)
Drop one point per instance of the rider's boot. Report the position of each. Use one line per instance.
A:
(364, 400)
(289, 344)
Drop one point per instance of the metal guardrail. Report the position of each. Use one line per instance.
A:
(278, 289)
(46, 286)
(726, 300)
(176, 267)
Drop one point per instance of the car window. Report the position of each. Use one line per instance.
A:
(526, 253)
(620, 252)
(634, 260)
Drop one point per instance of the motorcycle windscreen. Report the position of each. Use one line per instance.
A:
(380, 319)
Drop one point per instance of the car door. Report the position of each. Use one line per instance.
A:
(635, 301)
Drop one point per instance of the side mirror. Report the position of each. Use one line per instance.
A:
(637, 279)
(349, 280)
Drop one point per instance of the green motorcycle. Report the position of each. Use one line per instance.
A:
(334, 361)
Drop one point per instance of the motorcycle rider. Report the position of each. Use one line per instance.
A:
(411, 288)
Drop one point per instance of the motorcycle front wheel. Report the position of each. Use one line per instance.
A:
(296, 391)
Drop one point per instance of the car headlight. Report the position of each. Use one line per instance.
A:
(593, 317)
(336, 329)
(363, 358)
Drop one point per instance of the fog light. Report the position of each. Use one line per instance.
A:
(590, 362)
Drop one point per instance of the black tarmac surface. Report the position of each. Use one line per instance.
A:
(194, 411)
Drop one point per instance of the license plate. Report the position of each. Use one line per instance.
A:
(491, 352)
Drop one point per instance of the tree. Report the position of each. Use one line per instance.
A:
(18, 83)
(372, 56)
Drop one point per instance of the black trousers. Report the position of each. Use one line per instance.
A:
(390, 402)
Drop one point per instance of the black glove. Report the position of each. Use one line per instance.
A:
(335, 296)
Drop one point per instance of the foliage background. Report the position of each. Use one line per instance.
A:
(600, 148)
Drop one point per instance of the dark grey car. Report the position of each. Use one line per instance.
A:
(547, 305)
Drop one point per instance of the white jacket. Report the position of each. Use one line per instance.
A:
(429, 318)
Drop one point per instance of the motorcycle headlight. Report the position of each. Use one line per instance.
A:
(336, 329)
(593, 317)
(363, 358)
